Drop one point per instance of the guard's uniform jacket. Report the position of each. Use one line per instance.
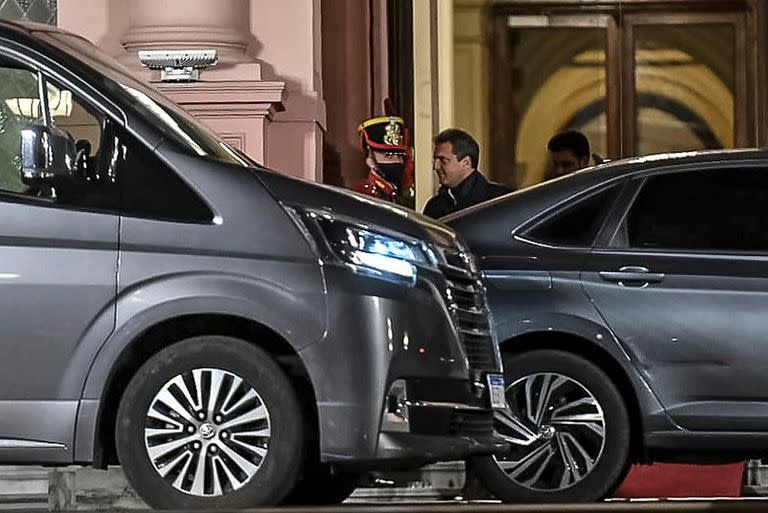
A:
(377, 186)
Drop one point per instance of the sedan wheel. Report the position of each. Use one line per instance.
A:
(557, 433)
(567, 427)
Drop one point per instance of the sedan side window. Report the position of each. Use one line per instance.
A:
(708, 210)
(576, 225)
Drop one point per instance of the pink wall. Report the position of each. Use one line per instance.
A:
(282, 35)
(287, 40)
(103, 21)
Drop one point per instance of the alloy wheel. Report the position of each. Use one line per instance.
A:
(207, 432)
(556, 430)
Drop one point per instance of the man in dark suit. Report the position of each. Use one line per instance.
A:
(455, 160)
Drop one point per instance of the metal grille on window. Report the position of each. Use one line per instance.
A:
(41, 11)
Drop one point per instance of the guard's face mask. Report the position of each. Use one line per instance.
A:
(391, 166)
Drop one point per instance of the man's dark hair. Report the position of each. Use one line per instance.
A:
(464, 145)
(570, 140)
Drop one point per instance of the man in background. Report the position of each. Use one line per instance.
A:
(569, 152)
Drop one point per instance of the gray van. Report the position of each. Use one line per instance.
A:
(232, 337)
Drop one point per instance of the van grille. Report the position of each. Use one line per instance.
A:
(471, 423)
(426, 420)
(466, 300)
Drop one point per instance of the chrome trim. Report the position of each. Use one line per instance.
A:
(16, 443)
(532, 242)
(441, 404)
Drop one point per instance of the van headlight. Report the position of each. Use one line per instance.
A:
(382, 255)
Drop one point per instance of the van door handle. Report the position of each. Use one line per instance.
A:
(632, 276)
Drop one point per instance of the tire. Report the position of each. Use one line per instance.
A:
(250, 442)
(544, 476)
(319, 487)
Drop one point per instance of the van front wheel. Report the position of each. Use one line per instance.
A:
(210, 422)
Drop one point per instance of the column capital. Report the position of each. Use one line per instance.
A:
(192, 24)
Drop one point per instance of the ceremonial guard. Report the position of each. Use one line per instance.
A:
(389, 159)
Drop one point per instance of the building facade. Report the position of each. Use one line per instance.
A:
(637, 76)
(296, 76)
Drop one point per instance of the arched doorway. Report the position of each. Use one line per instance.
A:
(635, 82)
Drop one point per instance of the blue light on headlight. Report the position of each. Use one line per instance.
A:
(375, 243)
(384, 263)
(376, 254)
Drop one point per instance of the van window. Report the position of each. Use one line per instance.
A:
(151, 189)
(22, 107)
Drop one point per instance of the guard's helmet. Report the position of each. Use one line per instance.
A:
(389, 134)
(385, 133)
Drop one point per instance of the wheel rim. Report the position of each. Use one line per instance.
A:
(207, 432)
(556, 430)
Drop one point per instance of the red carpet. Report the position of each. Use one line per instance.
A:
(663, 480)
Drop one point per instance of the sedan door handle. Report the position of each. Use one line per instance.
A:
(632, 276)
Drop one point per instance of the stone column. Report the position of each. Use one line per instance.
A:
(192, 24)
(231, 97)
(287, 37)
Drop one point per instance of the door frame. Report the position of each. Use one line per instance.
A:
(744, 71)
(503, 123)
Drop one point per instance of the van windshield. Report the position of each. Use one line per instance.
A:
(148, 103)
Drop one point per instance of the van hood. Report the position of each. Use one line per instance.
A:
(296, 192)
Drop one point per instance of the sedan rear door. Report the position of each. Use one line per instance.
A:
(681, 277)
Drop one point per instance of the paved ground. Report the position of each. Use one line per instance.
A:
(29, 489)
(721, 506)
(644, 506)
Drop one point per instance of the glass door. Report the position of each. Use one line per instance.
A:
(636, 81)
(555, 76)
(686, 86)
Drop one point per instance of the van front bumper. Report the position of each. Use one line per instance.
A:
(392, 347)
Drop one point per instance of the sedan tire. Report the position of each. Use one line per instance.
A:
(569, 432)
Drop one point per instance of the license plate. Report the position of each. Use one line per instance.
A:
(496, 389)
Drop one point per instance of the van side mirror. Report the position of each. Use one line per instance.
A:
(47, 154)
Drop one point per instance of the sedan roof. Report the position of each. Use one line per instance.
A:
(505, 213)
